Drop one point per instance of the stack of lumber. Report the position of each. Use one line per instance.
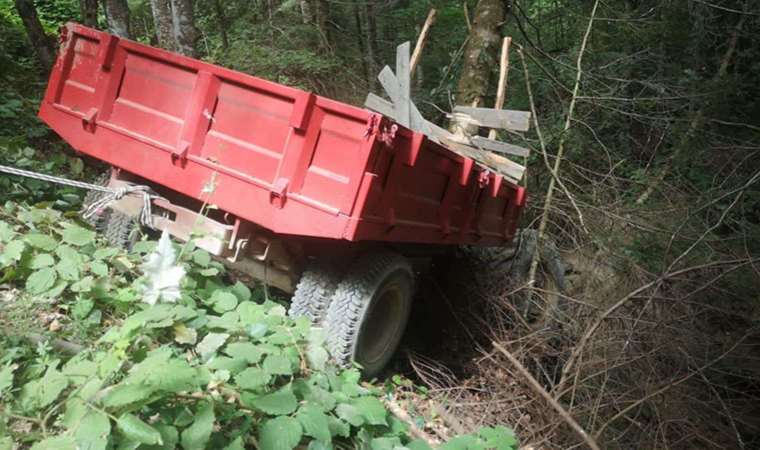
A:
(487, 153)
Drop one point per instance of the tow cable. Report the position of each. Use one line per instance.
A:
(111, 194)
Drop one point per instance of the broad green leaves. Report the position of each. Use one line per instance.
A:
(217, 369)
(281, 433)
(197, 435)
(278, 403)
(137, 430)
(314, 422)
(41, 280)
(40, 393)
(93, 430)
(76, 235)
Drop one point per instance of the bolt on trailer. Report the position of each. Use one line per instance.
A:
(318, 198)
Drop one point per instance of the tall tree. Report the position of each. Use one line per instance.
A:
(185, 32)
(317, 13)
(221, 18)
(481, 52)
(43, 45)
(162, 20)
(117, 16)
(370, 40)
(89, 12)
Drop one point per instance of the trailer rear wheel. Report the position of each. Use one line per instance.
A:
(100, 218)
(369, 311)
(121, 230)
(313, 293)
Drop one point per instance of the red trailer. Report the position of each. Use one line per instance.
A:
(313, 196)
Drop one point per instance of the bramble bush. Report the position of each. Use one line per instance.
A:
(209, 365)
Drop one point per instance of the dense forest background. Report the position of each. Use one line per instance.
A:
(643, 178)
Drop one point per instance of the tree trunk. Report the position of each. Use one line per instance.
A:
(162, 20)
(89, 12)
(185, 33)
(306, 13)
(481, 53)
(321, 16)
(43, 45)
(222, 20)
(370, 41)
(117, 16)
(360, 37)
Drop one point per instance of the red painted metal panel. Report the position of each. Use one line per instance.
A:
(285, 159)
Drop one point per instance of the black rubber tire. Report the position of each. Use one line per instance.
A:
(368, 313)
(314, 292)
(99, 219)
(121, 230)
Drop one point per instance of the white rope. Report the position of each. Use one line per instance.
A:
(111, 194)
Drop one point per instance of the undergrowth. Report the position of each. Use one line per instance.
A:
(88, 364)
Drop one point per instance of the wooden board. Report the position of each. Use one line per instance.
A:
(498, 146)
(506, 119)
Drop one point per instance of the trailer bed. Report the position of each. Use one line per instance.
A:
(287, 160)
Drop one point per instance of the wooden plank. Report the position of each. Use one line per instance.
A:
(421, 41)
(498, 146)
(509, 169)
(492, 118)
(403, 106)
(391, 85)
(379, 104)
(501, 90)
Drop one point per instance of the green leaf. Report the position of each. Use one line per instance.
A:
(185, 335)
(350, 414)
(418, 444)
(466, 442)
(41, 241)
(223, 301)
(241, 291)
(237, 444)
(93, 430)
(99, 268)
(6, 377)
(281, 433)
(67, 271)
(82, 308)
(83, 285)
(197, 435)
(280, 402)
(69, 253)
(56, 443)
(317, 357)
(278, 365)
(13, 252)
(210, 344)
(137, 430)
(385, 443)
(372, 409)
(252, 378)
(41, 280)
(339, 427)
(232, 365)
(41, 260)
(201, 257)
(40, 393)
(169, 438)
(105, 253)
(314, 423)
(124, 394)
(499, 437)
(245, 350)
(76, 235)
